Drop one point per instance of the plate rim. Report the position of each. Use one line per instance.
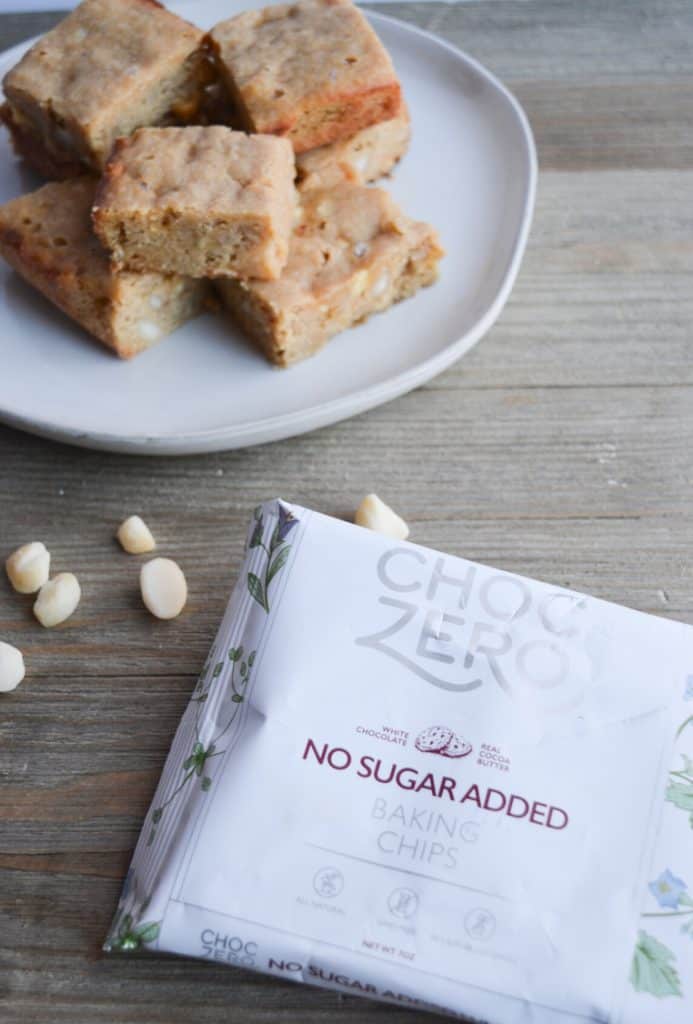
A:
(293, 424)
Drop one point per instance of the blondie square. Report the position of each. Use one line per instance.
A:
(46, 236)
(352, 253)
(366, 156)
(202, 201)
(313, 71)
(106, 69)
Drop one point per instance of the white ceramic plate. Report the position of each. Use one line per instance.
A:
(471, 171)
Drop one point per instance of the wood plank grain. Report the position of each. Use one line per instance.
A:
(605, 84)
(559, 448)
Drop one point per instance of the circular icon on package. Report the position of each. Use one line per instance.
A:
(480, 924)
(328, 882)
(403, 903)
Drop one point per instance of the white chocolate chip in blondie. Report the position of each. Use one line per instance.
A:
(135, 537)
(57, 599)
(359, 282)
(374, 514)
(163, 587)
(380, 285)
(11, 667)
(360, 164)
(148, 330)
(28, 567)
(325, 209)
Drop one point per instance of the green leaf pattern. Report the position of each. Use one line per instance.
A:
(125, 936)
(196, 764)
(278, 563)
(257, 590)
(215, 705)
(277, 552)
(654, 969)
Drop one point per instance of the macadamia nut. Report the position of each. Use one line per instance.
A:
(135, 536)
(163, 586)
(11, 667)
(374, 514)
(57, 599)
(28, 567)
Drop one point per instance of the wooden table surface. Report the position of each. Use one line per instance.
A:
(561, 448)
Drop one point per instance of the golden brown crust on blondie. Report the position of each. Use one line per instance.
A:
(314, 71)
(46, 236)
(203, 200)
(353, 253)
(107, 68)
(366, 156)
(27, 145)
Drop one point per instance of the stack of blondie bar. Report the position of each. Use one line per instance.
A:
(231, 164)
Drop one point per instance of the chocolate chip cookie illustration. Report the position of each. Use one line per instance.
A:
(456, 747)
(433, 739)
(439, 739)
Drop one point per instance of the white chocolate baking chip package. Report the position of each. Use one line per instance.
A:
(411, 777)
